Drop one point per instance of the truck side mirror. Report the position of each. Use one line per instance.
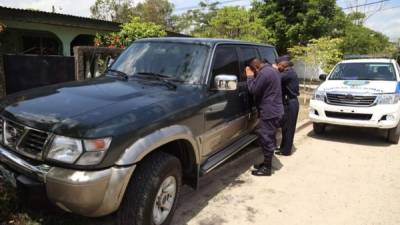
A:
(323, 77)
(225, 82)
(109, 61)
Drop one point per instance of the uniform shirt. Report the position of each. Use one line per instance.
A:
(266, 88)
(290, 84)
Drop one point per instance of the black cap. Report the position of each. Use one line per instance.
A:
(284, 58)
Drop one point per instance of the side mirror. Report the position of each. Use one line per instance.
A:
(225, 82)
(110, 61)
(323, 77)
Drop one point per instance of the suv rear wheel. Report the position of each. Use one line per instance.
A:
(394, 135)
(319, 128)
(153, 191)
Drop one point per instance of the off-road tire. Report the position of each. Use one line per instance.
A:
(138, 202)
(319, 128)
(394, 135)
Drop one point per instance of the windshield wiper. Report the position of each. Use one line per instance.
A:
(161, 77)
(119, 73)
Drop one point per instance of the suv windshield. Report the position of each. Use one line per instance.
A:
(175, 60)
(364, 71)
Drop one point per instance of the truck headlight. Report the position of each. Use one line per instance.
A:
(319, 95)
(94, 151)
(64, 149)
(83, 152)
(385, 99)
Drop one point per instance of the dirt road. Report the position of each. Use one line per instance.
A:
(348, 176)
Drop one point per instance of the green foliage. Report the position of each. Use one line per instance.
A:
(196, 20)
(113, 10)
(324, 52)
(362, 40)
(296, 22)
(236, 23)
(156, 11)
(135, 29)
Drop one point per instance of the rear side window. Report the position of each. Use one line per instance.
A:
(268, 54)
(226, 61)
(246, 53)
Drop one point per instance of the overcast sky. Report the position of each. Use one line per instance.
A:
(386, 21)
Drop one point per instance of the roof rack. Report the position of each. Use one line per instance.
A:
(367, 57)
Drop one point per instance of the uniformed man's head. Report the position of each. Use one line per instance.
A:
(282, 66)
(255, 65)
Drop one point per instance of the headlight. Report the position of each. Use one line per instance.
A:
(65, 149)
(319, 95)
(83, 152)
(385, 99)
(95, 151)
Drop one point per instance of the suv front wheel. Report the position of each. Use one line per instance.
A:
(319, 128)
(153, 191)
(394, 135)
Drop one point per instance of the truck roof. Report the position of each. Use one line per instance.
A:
(370, 60)
(206, 41)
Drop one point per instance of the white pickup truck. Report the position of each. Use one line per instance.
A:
(359, 93)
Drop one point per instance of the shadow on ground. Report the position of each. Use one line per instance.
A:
(353, 135)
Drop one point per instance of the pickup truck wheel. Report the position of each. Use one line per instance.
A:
(394, 135)
(153, 191)
(319, 128)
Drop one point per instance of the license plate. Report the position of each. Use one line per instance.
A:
(8, 176)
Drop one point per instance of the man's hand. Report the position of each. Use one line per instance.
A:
(249, 72)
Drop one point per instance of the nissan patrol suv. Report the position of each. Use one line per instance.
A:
(360, 92)
(167, 111)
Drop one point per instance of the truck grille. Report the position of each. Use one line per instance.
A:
(349, 100)
(22, 139)
(350, 116)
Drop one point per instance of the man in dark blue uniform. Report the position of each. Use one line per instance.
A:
(264, 83)
(290, 91)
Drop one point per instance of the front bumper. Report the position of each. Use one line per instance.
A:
(88, 193)
(318, 108)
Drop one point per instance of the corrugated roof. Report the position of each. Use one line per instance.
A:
(36, 16)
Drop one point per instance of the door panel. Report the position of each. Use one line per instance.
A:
(226, 109)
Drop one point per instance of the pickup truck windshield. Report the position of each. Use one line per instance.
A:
(364, 71)
(180, 61)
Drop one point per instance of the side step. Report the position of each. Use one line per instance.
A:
(226, 153)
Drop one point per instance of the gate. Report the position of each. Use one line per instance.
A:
(24, 72)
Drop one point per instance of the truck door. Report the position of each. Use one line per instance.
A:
(225, 116)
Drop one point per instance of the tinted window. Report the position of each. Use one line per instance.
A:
(248, 53)
(177, 60)
(268, 54)
(364, 71)
(226, 61)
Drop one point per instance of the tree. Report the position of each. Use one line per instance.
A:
(358, 39)
(135, 29)
(156, 11)
(296, 22)
(112, 10)
(196, 20)
(236, 23)
(321, 53)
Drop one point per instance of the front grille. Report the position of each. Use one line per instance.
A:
(350, 116)
(349, 100)
(12, 133)
(22, 139)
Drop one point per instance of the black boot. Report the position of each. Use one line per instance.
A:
(265, 169)
(257, 166)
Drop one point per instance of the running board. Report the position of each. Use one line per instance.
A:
(226, 153)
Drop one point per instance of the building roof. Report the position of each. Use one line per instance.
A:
(207, 41)
(36, 16)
